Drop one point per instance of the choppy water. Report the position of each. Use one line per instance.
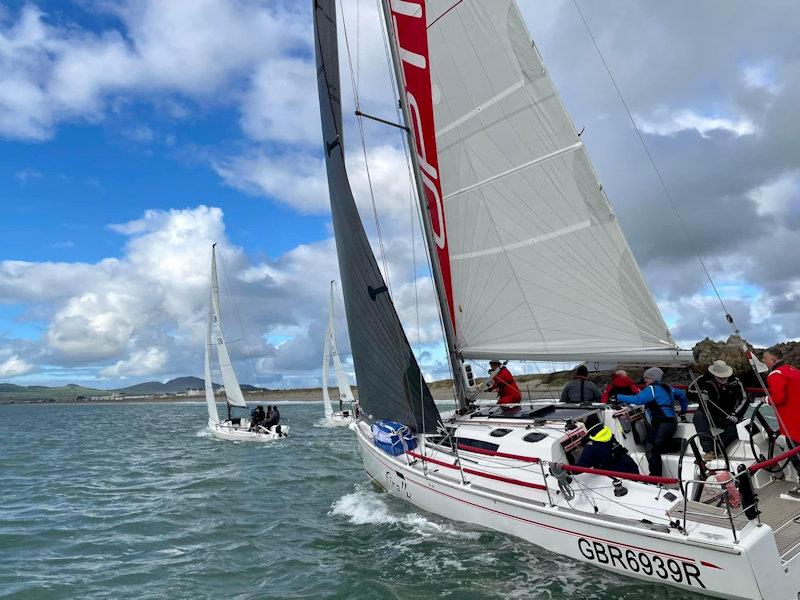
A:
(137, 501)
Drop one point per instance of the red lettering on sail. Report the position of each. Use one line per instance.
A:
(409, 22)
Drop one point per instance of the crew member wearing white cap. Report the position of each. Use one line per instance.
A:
(659, 401)
(722, 402)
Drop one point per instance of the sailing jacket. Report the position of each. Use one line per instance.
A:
(720, 399)
(505, 386)
(580, 390)
(602, 451)
(658, 401)
(620, 384)
(783, 383)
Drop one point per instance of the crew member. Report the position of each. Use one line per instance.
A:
(257, 417)
(783, 385)
(722, 402)
(659, 401)
(502, 382)
(603, 451)
(273, 416)
(580, 389)
(620, 384)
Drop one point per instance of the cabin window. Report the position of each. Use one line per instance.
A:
(499, 432)
(536, 436)
(478, 444)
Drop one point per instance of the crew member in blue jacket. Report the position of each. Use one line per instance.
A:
(659, 401)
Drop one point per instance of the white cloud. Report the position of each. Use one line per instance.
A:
(141, 363)
(51, 73)
(14, 366)
(778, 197)
(666, 123)
(280, 106)
(762, 76)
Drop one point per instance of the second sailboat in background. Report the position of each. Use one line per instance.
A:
(344, 415)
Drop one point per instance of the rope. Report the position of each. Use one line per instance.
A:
(354, 84)
(728, 316)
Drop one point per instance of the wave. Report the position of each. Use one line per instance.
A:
(367, 507)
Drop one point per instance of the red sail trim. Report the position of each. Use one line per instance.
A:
(409, 19)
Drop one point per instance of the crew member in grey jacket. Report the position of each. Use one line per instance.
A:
(580, 389)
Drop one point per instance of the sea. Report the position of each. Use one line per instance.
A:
(139, 501)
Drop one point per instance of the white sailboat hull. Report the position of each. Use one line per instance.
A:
(338, 419)
(227, 431)
(750, 569)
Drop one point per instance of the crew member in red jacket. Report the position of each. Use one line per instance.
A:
(503, 383)
(620, 384)
(783, 384)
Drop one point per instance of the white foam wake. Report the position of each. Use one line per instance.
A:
(367, 507)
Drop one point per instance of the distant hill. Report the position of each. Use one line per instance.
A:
(173, 386)
(27, 393)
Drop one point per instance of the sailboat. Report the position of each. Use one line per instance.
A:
(231, 428)
(342, 417)
(530, 263)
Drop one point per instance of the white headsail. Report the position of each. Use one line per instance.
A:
(345, 393)
(229, 380)
(539, 266)
(211, 401)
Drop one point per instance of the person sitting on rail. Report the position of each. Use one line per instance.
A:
(580, 389)
(603, 451)
(722, 402)
(502, 381)
(659, 401)
(620, 384)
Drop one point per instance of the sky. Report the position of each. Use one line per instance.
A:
(134, 134)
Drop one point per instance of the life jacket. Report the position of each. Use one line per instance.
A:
(616, 451)
(657, 414)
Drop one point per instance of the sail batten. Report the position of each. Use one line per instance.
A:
(538, 262)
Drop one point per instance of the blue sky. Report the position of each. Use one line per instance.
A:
(135, 133)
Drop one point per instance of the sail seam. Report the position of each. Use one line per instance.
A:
(530, 163)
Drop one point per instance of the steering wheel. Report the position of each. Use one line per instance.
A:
(702, 465)
(757, 419)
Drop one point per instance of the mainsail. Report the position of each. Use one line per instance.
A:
(390, 384)
(211, 401)
(538, 264)
(229, 380)
(345, 393)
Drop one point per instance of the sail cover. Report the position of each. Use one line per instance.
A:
(390, 384)
(539, 266)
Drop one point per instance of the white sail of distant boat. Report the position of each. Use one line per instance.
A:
(342, 416)
(232, 428)
(530, 263)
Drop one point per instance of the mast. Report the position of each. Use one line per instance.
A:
(454, 357)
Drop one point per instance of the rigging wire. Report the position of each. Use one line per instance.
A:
(689, 238)
(354, 84)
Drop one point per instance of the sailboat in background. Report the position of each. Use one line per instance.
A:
(232, 428)
(343, 416)
(530, 263)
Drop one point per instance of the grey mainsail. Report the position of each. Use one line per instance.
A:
(390, 384)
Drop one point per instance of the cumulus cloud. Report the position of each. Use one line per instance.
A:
(51, 73)
(14, 366)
